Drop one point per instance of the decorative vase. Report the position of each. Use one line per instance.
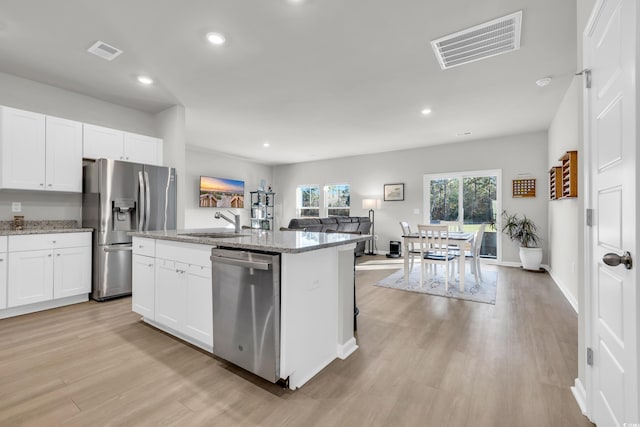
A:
(531, 258)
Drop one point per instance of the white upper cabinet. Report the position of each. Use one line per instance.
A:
(39, 152)
(63, 155)
(100, 142)
(103, 143)
(22, 149)
(142, 149)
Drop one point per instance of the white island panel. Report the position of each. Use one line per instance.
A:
(314, 311)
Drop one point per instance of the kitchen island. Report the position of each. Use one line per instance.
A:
(172, 290)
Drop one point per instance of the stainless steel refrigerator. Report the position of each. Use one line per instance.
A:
(119, 197)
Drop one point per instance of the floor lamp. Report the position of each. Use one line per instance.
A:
(371, 204)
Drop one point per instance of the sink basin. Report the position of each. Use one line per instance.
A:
(214, 235)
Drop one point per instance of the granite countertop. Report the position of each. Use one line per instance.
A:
(42, 227)
(260, 240)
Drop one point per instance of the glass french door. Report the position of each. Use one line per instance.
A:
(470, 198)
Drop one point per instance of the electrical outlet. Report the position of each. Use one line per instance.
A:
(16, 207)
(416, 211)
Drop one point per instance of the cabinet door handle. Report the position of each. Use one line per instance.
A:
(57, 254)
(49, 185)
(54, 242)
(41, 185)
(49, 255)
(150, 265)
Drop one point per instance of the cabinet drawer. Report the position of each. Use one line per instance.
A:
(187, 253)
(143, 246)
(3, 243)
(48, 241)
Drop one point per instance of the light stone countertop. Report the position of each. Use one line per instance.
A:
(43, 231)
(42, 227)
(259, 240)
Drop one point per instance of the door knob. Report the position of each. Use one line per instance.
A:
(615, 259)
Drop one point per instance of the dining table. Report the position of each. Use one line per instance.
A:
(458, 240)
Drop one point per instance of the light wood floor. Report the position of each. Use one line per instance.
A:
(423, 361)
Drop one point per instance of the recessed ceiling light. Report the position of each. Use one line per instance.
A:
(266, 145)
(216, 38)
(426, 111)
(544, 81)
(296, 1)
(145, 80)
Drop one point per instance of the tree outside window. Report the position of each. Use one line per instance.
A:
(338, 199)
(308, 201)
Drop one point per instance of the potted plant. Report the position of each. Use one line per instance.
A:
(525, 232)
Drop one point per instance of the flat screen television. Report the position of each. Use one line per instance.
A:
(221, 193)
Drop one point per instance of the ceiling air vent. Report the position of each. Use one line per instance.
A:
(104, 50)
(492, 38)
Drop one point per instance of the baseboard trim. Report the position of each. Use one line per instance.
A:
(178, 335)
(346, 349)
(570, 298)
(580, 395)
(44, 305)
(296, 381)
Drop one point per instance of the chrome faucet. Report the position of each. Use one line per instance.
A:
(236, 223)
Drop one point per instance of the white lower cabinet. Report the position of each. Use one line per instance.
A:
(45, 267)
(177, 295)
(170, 294)
(70, 273)
(143, 299)
(30, 277)
(3, 280)
(199, 316)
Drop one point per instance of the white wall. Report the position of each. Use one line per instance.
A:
(208, 163)
(29, 95)
(32, 96)
(171, 124)
(564, 214)
(517, 154)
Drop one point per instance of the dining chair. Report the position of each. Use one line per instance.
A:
(453, 225)
(411, 251)
(434, 250)
(473, 256)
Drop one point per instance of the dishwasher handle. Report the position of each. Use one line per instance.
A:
(242, 263)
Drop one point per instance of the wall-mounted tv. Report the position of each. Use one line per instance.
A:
(221, 193)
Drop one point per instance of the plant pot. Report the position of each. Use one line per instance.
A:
(531, 258)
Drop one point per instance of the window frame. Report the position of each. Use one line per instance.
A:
(326, 200)
(299, 206)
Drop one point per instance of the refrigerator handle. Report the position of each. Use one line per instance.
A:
(141, 202)
(147, 192)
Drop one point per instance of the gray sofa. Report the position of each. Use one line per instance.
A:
(350, 224)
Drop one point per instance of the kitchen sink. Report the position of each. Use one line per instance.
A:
(215, 235)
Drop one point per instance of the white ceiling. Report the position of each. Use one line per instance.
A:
(320, 79)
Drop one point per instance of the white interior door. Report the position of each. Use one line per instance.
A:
(612, 319)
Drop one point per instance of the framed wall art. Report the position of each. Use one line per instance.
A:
(393, 192)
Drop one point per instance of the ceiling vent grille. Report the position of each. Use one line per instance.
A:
(104, 51)
(492, 38)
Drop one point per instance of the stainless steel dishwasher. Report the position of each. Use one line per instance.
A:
(246, 310)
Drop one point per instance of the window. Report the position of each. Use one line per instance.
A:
(308, 201)
(470, 198)
(337, 199)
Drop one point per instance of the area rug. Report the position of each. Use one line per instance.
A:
(485, 292)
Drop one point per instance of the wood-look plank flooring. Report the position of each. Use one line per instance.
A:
(423, 361)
